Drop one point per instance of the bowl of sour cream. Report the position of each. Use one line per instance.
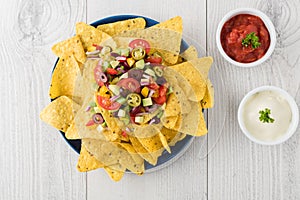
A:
(268, 115)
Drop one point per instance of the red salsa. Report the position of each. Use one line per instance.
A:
(236, 29)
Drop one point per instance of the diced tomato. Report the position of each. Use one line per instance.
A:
(124, 134)
(153, 86)
(111, 71)
(107, 104)
(97, 75)
(162, 90)
(98, 47)
(130, 84)
(140, 43)
(154, 59)
(160, 100)
(90, 123)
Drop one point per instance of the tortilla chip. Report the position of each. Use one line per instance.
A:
(60, 113)
(142, 151)
(128, 147)
(193, 76)
(174, 25)
(208, 99)
(64, 77)
(190, 53)
(172, 136)
(121, 26)
(89, 35)
(115, 175)
(202, 65)
(110, 154)
(173, 107)
(170, 121)
(71, 46)
(164, 142)
(72, 132)
(87, 162)
(202, 129)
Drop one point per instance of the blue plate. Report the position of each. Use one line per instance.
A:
(181, 146)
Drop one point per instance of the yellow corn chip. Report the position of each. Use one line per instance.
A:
(115, 175)
(72, 46)
(87, 162)
(175, 25)
(142, 151)
(72, 132)
(173, 107)
(208, 99)
(164, 142)
(193, 76)
(120, 26)
(64, 77)
(170, 121)
(60, 113)
(190, 53)
(89, 35)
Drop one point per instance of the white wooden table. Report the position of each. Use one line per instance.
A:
(35, 161)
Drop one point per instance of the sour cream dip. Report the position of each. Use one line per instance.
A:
(273, 127)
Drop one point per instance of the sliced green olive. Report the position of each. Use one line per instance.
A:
(138, 53)
(134, 99)
(158, 71)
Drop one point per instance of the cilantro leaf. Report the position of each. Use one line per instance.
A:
(265, 116)
(252, 39)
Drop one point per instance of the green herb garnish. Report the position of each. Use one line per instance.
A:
(252, 39)
(265, 116)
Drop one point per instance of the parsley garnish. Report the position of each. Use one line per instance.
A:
(252, 39)
(265, 116)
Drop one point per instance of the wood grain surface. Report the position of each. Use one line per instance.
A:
(36, 163)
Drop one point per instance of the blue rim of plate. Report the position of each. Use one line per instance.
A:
(180, 147)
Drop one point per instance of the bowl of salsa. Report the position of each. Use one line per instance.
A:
(246, 37)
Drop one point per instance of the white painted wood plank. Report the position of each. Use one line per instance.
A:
(36, 163)
(238, 168)
(186, 178)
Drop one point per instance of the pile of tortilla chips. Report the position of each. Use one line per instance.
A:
(72, 90)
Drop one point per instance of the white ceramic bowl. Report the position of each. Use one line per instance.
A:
(294, 109)
(267, 23)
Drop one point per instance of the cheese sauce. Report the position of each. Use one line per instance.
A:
(280, 112)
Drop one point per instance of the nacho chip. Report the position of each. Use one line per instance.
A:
(172, 136)
(164, 142)
(72, 46)
(174, 25)
(129, 148)
(60, 113)
(115, 175)
(89, 35)
(64, 77)
(196, 80)
(87, 162)
(72, 132)
(208, 99)
(121, 26)
(202, 65)
(190, 53)
(142, 151)
(173, 107)
(110, 154)
(170, 121)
